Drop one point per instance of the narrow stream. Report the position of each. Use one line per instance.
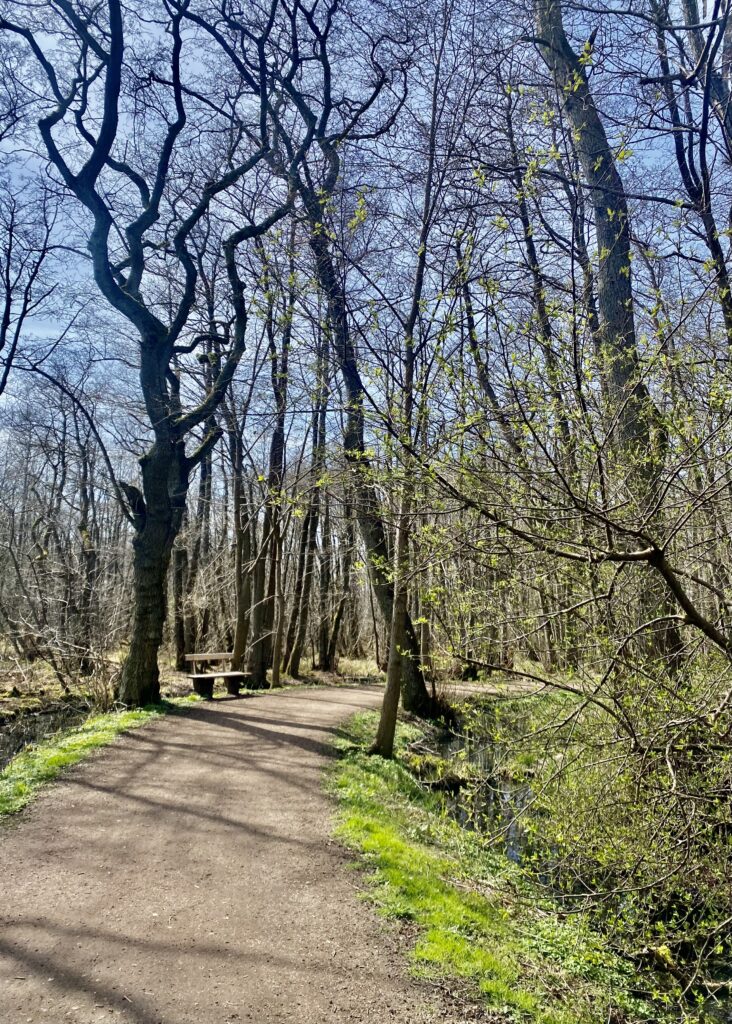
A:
(495, 805)
(491, 804)
(31, 726)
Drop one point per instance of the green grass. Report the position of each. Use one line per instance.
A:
(40, 763)
(476, 917)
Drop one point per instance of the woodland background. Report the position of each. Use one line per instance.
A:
(336, 330)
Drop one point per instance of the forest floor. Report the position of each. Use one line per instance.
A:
(187, 875)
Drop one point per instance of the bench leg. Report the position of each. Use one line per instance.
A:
(232, 687)
(204, 688)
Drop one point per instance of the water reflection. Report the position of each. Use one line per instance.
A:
(31, 726)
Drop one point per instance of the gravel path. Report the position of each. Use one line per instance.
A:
(186, 875)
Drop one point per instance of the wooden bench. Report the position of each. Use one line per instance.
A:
(203, 677)
(203, 673)
(203, 683)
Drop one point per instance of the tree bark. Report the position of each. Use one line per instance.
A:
(641, 435)
(180, 560)
(158, 514)
(384, 742)
(279, 610)
(325, 588)
(415, 697)
(257, 663)
(304, 613)
(293, 626)
(636, 415)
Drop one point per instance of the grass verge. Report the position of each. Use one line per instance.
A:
(40, 763)
(476, 917)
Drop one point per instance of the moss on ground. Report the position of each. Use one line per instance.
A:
(40, 763)
(476, 916)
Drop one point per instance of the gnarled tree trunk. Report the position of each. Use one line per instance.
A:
(158, 514)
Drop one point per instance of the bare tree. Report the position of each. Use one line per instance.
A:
(83, 130)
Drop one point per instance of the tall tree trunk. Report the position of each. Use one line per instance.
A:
(89, 537)
(415, 697)
(317, 471)
(158, 513)
(257, 662)
(335, 629)
(293, 625)
(200, 549)
(279, 610)
(384, 742)
(242, 539)
(180, 562)
(641, 435)
(635, 412)
(261, 657)
(325, 587)
(293, 666)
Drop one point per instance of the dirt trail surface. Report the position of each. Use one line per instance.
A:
(186, 875)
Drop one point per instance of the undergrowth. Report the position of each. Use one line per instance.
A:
(476, 917)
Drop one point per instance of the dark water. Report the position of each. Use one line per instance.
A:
(718, 1012)
(499, 807)
(31, 726)
(495, 808)
(491, 803)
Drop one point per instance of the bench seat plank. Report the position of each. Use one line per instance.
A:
(218, 675)
(203, 682)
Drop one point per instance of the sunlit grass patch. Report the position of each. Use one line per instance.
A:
(474, 915)
(362, 668)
